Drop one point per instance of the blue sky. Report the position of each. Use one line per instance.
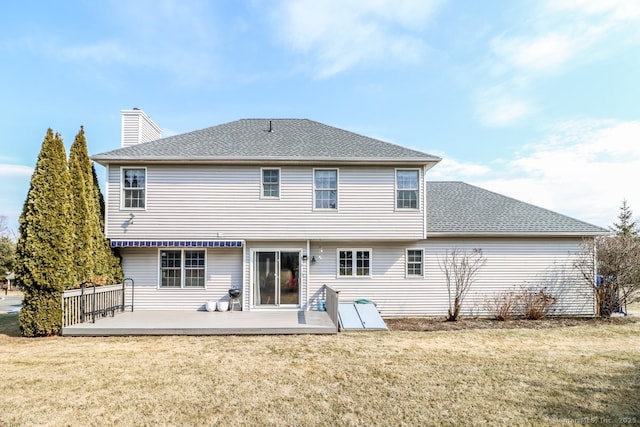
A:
(533, 99)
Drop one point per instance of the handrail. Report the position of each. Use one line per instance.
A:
(93, 301)
(332, 299)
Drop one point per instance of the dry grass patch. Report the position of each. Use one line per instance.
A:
(467, 377)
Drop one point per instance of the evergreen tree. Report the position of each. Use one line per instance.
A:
(96, 260)
(625, 226)
(43, 263)
(84, 219)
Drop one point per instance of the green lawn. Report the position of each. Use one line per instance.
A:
(580, 375)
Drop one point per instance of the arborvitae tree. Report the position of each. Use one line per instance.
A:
(626, 225)
(44, 250)
(97, 261)
(86, 223)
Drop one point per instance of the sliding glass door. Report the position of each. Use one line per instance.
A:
(276, 281)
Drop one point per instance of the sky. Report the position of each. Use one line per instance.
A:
(537, 100)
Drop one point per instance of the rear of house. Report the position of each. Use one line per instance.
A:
(278, 208)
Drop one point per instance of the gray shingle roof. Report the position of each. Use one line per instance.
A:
(250, 140)
(457, 208)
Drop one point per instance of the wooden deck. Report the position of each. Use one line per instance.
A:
(147, 322)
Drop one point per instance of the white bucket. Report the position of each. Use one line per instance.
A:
(210, 305)
(223, 305)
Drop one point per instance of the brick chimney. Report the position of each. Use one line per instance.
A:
(137, 128)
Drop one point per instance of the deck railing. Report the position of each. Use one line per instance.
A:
(332, 301)
(91, 301)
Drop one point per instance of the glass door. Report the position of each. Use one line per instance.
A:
(277, 280)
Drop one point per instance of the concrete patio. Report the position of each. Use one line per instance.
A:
(147, 322)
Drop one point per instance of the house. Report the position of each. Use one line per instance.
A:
(280, 207)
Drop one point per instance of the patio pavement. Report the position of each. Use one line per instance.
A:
(151, 322)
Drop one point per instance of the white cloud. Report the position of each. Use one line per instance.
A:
(341, 34)
(582, 169)
(626, 10)
(100, 52)
(9, 170)
(544, 42)
(498, 107)
(170, 36)
(450, 169)
(545, 52)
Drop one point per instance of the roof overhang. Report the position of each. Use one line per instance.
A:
(105, 160)
(516, 234)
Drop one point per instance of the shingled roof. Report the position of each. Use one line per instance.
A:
(260, 140)
(460, 209)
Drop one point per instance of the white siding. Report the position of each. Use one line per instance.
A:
(511, 264)
(224, 269)
(207, 202)
(137, 127)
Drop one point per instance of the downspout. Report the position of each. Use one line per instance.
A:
(596, 309)
(424, 202)
(244, 276)
(307, 265)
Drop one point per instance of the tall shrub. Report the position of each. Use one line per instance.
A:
(84, 219)
(44, 250)
(95, 259)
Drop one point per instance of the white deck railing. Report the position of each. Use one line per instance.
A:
(90, 301)
(332, 301)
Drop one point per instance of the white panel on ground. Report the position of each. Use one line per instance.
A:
(349, 318)
(360, 316)
(370, 317)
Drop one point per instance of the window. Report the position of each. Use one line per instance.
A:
(407, 189)
(354, 263)
(414, 262)
(326, 188)
(133, 188)
(271, 183)
(182, 269)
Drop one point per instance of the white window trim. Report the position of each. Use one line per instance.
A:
(354, 267)
(146, 188)
(408, 275)
(395, 194)
(262, 196)
(182, 269)
(313, 181)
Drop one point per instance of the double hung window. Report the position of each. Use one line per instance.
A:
(354, 263)
(325, 182)
(415, 262)
(271, 183)
(407, 188)
(182, 269)
(134, 188)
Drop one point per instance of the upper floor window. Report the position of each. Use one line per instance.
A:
(182, 269)
(271, 183)
(325, 182)
(407, 188)
(354, 263)
(134, 188)
(415, 262)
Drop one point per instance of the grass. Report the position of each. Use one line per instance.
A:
(579, 375)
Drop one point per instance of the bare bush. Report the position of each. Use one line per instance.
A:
(503, 305)
(535, 303)
(460, 269)
(610, 265)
